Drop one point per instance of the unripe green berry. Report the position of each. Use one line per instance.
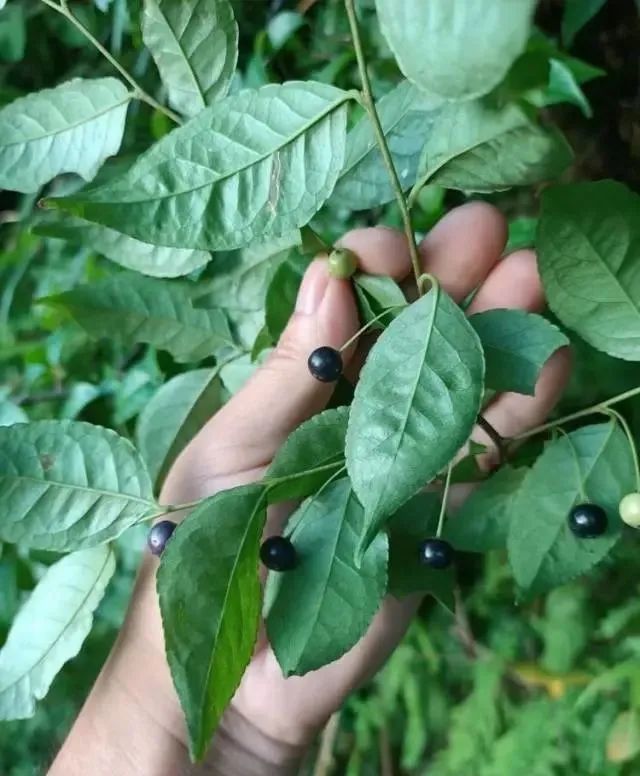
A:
(630, 509)
(342, 263)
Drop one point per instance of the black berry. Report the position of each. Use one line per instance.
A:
(325, 364)
(278, 554)
(588, 521)
(436, 554)
(159, 535)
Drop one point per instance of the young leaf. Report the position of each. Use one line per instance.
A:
(590, 464)
(516, 346)
(406, 115)
(588, 244)
(66, 485)
(416, 521)
(338, 600)
(210, 615)
(623, 741)
(457, 49)
(576, 14)
(563, 87)
(126, 251)
(140, 309)
(282, 292)
(174, 416)
(195, 46)
(482, 523)
(473, 146)
(312, 454)
(375, 294)
(50, 628)
(11, 413)
(415, 404)
(72, 128)
(277, 151)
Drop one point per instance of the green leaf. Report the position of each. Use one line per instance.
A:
(66, 485)
(277, 151)
(375, 294)
(195, 45)
(522, 234)
(482, 523)
(563, 87)
(576, 14)
(13, 32)
(516, 345)
(409, 527)
(338, 599)
(210, 615)
(415, 404)
(457, 49)
(406, 115)
(239, 284)
(174, 416)
(11, 413)
(623, 742)
(50, 628)
(140, 309)
(311, 455)
(588, 245)
(280, 300)
(591, 464)
(473, 146)
(128, 252)
(72, 128)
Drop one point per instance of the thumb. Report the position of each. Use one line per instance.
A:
(245, 434)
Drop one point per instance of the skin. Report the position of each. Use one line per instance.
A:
(131, 722)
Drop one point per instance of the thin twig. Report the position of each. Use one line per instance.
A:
(370, 106)
(324, 763)
(495, 436)
(138, 92)
(384, 745)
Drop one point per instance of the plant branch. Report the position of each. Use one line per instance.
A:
(445, 497)
(370, 107)
(138, 92)
(594, 409)
(494, 435)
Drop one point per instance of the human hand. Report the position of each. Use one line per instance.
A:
(272, 718)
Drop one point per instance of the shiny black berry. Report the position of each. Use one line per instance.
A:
(159, 535)
(436, 554)
(278, 554)
(587, 521)
(325, 364)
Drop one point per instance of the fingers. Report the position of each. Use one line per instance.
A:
(513, 283)
(245, 434)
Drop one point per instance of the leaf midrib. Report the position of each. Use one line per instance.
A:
(70, 127)
(67, 625)
(238, 171)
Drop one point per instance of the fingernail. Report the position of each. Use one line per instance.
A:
(313, 288)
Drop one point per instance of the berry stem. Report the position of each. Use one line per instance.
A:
(368, 325)
(370, 107)
(443, 505)
(594, 409)
(138, 92)
(625, 427)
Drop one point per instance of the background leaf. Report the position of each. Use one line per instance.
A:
(210, 615)
(576, 14)
(591, 464)
(406, 115)
(482, 522)
(277, 150)
(11, 413)
(311, 455)
(174, 416)
(338, 599)
(516, 346)
(282, 292)
(50, 628)
(473, 146)
(375, 294)
(128, 252)
(195, 46)
(414, 406)
(139, 309)
(457, 49)
(66, 485)
(72, 128)
(588, 244)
